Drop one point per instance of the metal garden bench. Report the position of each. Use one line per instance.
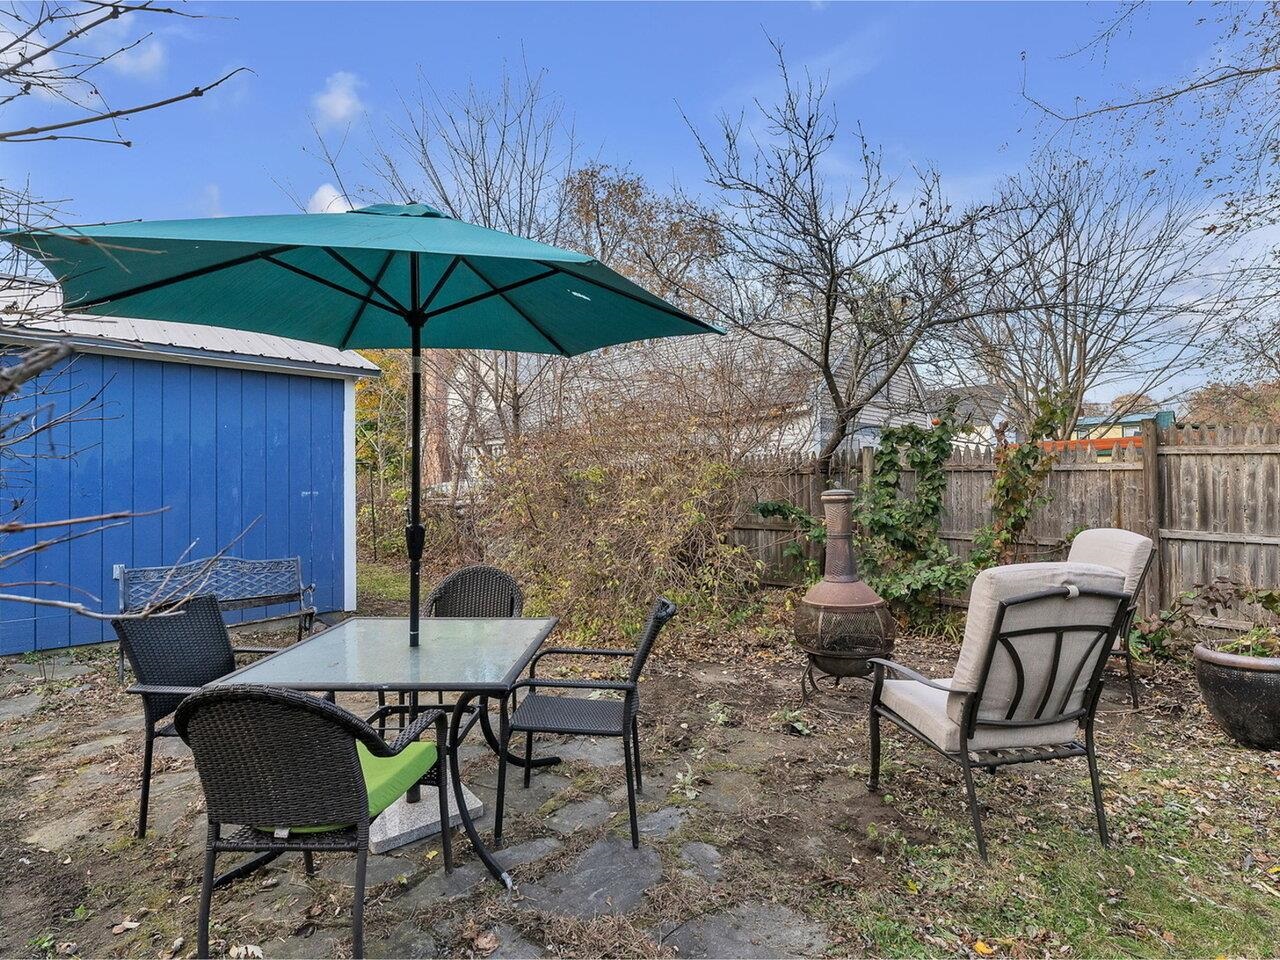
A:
(238, 584)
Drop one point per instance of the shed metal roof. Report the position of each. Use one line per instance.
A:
(192, 343)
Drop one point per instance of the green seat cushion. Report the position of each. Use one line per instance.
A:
(385, 779)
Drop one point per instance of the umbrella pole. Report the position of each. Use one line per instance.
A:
(414, 534)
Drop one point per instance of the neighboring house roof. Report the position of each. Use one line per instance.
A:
(192, 343)
(1163, 418)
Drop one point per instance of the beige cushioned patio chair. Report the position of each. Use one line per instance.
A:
(1130, 553)
(1027, 678)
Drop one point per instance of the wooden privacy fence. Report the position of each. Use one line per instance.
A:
(1208, 496)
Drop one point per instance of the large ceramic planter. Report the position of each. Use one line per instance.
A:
(1243, 694)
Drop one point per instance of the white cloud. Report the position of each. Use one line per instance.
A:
(148, 59)
(211, 199)
(328, 199)
(339, 102)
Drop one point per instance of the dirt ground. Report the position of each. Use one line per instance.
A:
(760, 837)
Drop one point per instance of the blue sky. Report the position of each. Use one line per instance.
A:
(932, 83)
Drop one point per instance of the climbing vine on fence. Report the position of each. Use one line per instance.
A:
(1018, 489)
(809, 530)
(902, 554)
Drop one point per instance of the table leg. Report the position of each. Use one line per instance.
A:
(415, 792)
(455, 738)
(486, 727)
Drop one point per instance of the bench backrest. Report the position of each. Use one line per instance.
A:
(237, 583)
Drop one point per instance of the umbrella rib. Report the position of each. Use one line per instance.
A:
(328, 283)
(514, 306)
(179, 278)
(494, 291)
(444, 278)
(346, 337)
(372, 284)
(660, 305)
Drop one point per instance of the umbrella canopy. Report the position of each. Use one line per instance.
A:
(383, 276)
(355, 280)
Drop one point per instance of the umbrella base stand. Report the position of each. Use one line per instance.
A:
(404, 823)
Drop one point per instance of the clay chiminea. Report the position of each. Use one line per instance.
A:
(841, 622)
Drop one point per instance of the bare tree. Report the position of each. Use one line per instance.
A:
(506, 159)
(1228, 105)
(51, 60)
(499, 158)
(850, 274)
(1109, 282)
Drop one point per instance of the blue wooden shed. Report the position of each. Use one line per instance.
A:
(209, 435)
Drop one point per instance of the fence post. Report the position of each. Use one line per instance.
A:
(1155, 513)
(868, 455)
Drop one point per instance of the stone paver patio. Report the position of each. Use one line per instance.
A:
(755, 843)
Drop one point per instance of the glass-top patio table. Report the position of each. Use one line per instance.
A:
(474, 659)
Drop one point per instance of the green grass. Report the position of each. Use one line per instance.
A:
(1176, 892)
(384, 582)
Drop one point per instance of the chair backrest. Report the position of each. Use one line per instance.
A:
(1035, 642)
(1122, 550)
(476, 591)
(186, 646)
(236, 582)
(274, 758)
(662, 612)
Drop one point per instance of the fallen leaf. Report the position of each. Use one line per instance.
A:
(124, 926)
(983, 948)
(485, 944)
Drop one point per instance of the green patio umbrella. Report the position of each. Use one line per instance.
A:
(382, 276)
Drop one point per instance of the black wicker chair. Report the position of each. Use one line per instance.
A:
(475, 591)
(298, 773)
(173, 654)
(580, 716)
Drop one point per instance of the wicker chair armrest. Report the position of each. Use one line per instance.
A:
(576, 684)
(413, 731)
(910, 674)
(144, 689)
(581, 652)
(238, 650)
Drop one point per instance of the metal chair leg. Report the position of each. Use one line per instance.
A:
(206, 895)
(1097, 788)
(631, 794)
(147, 750)
(357, 905)
(528, 758)
(974, 809)
(1133, 680)
(873, 779)
(635, 746)
(308, 863)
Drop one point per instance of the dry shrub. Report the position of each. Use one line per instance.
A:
(451, 539)
(599, 519)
